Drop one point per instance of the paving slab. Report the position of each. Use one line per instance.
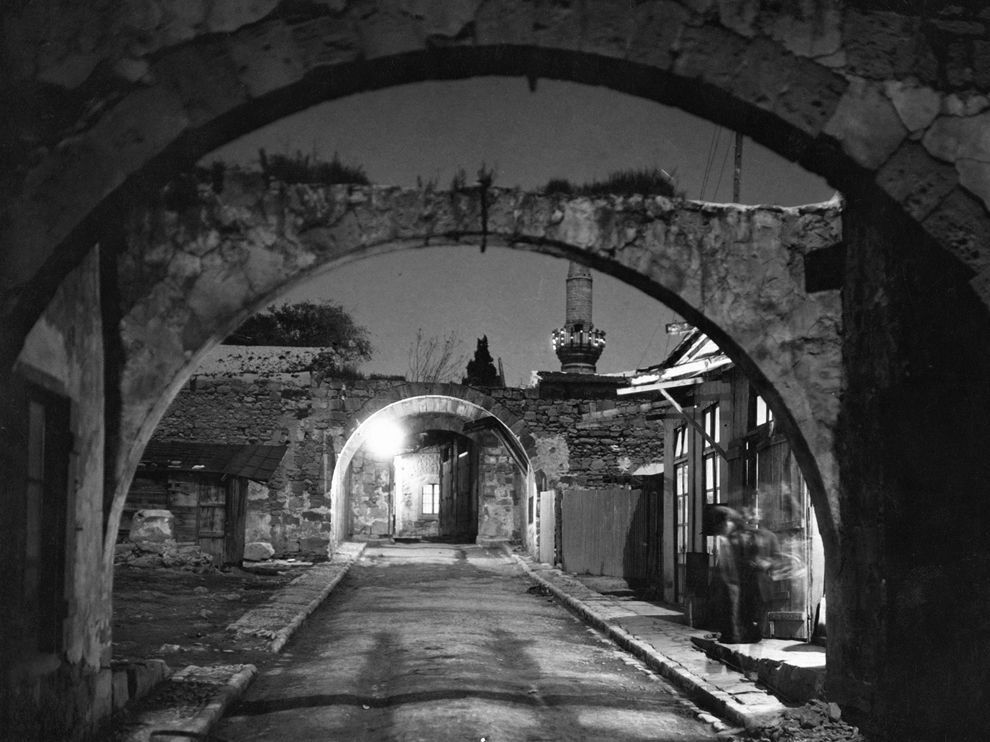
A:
(656, 637)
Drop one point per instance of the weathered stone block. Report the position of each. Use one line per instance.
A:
(204, 78)
(387, 28)
(152, 527)
(258, 551)
(916, 179)
(504, 22)
(960, 224)
(866, 124)
(877, 46)
(711, 54)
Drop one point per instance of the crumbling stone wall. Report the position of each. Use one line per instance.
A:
(69, 688)
(368, 488)
(502, 491)
(890, 101)
(190, 277)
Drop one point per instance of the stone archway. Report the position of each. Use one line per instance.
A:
(448, 406)
(891, 107)
(741, 273)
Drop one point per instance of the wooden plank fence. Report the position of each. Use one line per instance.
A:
(610, 532)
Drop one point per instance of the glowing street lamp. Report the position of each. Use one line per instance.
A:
(384, 439)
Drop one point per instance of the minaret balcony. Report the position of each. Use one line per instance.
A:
(583, 341)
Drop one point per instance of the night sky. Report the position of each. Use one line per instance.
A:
(430, 130)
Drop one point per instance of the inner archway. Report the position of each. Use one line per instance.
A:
(464, 447)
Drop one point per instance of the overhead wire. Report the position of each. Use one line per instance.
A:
(710, 159)
(721, 172)
(646, 348)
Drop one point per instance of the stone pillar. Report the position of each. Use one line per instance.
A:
(908, 608)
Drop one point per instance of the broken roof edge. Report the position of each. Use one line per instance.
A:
(255, 461)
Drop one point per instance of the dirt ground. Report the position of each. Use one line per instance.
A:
(182, 617)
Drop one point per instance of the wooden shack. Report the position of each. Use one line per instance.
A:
(204, 485)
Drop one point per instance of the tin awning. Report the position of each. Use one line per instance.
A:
(250, 461)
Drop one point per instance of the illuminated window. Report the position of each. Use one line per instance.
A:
(712, 481)
(431, 499)
(681, 493)
(680, 442)
(761, 412)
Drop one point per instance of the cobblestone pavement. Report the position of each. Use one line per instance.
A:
(439, 642)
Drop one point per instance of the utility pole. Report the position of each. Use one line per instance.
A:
(737, 174)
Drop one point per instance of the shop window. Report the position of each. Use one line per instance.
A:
(711, 472)
(760, 412)
(681, 493)
(431, 499)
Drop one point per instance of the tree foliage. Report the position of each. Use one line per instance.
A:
(481, 369)
(307, 324)
(436, 358)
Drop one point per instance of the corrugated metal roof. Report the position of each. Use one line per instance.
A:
(695, 356)
(251, 461)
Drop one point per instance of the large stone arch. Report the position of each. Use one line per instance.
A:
(187, 278)
(448, 407)
(890, 106)
(854, 95)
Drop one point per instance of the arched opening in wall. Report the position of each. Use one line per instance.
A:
(390, 280)
(627, 267)
(431, 467)
(200, 92)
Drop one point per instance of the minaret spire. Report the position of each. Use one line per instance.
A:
(578, 344)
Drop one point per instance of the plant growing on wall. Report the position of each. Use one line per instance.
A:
(300, 168)
(645, 182)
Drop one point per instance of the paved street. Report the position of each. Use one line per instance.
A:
(439, 642)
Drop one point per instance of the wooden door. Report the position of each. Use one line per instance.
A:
(211, 520)
(651, 506)
(236, 520)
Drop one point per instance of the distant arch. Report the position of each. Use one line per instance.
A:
(448, 405)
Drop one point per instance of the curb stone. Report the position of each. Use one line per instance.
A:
(202, 694)
(213, 690)
(279, 618)
(760, 708)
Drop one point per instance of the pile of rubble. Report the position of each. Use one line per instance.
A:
(816, 721)
(150, 544)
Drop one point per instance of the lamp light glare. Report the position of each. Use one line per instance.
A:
(385, 439)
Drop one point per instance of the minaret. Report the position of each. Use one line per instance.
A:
(578, 344)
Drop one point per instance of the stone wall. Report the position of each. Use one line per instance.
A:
(580, 441)
(368, 484)
(412, 471)
(502, 492)
(46, 693)
(908, 645)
